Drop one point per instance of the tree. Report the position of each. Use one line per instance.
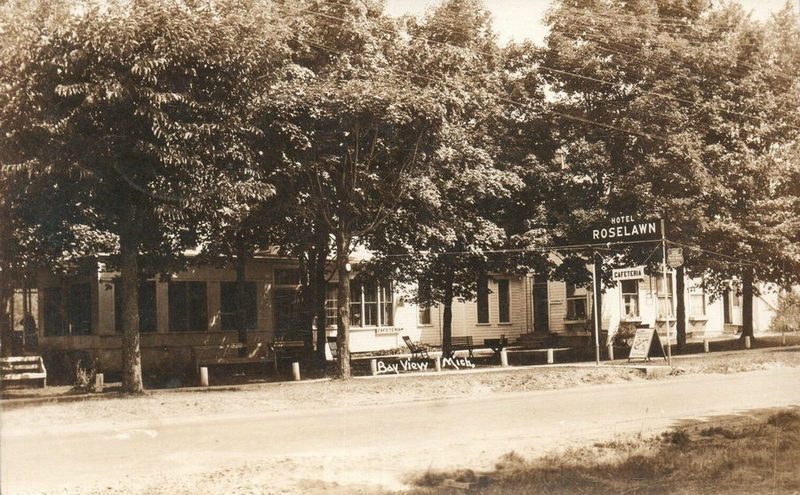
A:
(440, 242)
(685, 104)
(357, 128)
(143, 100)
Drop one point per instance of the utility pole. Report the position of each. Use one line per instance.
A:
(596, 304)
(666, 287)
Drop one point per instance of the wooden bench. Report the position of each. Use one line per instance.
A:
(461, 343)
(287, 350)
(215, 355)
(496, 345)
(22, 369)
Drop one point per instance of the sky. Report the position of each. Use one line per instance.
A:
(520, 19)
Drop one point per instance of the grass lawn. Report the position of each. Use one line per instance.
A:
(727, 455)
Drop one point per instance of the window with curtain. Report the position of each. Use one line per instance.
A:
(665, 298)
(630, 298)
(576, 303)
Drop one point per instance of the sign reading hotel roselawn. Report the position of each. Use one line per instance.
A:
(626, 228)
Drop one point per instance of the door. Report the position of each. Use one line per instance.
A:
(541, 305)
(726, 307)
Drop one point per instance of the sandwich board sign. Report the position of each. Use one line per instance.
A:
(646, 343)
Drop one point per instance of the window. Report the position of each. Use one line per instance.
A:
(664, 296)
(228, 299)
(70, 315)
(736, 298)
(483, 299)
(370, 300)
(288, 318)
(371, 305)
(356, 305)
(424, 315)
(576, 303)
(188, 309)
(423, 310)
(387, 307)
(80, 309)
(53, 321)
(630, 298)
(147, 306)
(331, 308)
(503, 301)
(697, 304)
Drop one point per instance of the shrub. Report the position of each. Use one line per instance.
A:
(84, 380)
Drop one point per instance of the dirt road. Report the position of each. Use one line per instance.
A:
(342, 450)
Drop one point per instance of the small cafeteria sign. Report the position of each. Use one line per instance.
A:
(633, 273)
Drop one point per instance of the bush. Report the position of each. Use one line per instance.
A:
(84, 380)
(624, 334)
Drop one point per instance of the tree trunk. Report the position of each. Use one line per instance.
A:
(680, 308)
(447, 317)
(343, 303)
(747, 302)
(241, 295)
(6, 293)
(321, 284)
(129, 274)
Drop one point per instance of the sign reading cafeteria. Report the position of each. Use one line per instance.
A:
(633, 273)
(627, 228)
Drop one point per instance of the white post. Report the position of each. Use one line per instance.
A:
(550, 356)
(296, 371)
(373, 366)
(596, 311)
(204, 377)
(98, 382)
(438, 363)
(747, 342)
(705, 346)
(667, 302)
(504, 358)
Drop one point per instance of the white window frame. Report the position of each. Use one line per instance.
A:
(665, 291)
(634, 296)
(380, 301)
(576, 297)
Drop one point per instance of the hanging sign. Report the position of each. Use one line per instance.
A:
(675, 257)
(633, 273)
(625, 228)
(646, 344)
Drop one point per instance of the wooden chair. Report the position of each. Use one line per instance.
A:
(416, 350)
